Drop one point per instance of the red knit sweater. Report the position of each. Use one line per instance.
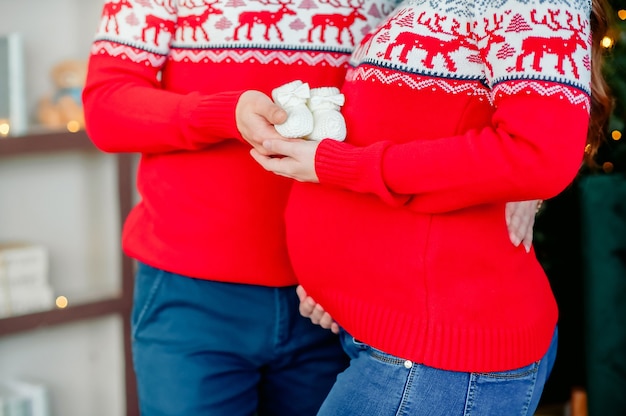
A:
(164, 79)
(449, 115)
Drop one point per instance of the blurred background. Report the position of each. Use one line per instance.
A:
(580, 238)
(66, 289)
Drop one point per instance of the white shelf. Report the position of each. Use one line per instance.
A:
(59, 191)
(81, 363)
(67, 202)
(52, 30)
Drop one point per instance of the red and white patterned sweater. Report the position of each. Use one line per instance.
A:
(452, 109)
(164, 78)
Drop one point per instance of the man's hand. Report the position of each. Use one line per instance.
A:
(314, 311)
(520, 220)
(256, 114)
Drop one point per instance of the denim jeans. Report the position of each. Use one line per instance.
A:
(220, 349)
(379, 384)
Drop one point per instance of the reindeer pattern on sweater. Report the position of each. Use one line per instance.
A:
(503, 46)
(237, 30)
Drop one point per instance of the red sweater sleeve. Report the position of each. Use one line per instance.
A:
(532, 150)
(126, 110)
(530, 143)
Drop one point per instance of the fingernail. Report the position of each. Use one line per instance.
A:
(527, 247)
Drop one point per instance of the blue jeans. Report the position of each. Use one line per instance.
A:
(379, 384)
(220, 349)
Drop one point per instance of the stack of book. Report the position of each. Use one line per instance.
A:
(24, 285)
(21, 398)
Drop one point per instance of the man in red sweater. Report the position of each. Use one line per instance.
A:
(216, 328)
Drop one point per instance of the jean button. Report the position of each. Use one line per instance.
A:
(408, 364)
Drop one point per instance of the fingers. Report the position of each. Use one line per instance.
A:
(269, 163)
(312, 310)
(315, 312)
(269, 148)
(260, 134)
(297, 159)
(276, 114)
(283, 166)
(527, 241)
(512, 223)
(307, 304)
(520, 219)
(301, 292)
(282, 147)
(255, 115)
(517, 228)
(322, 318)
(256, 102)
(326, 321)
(317, 315)
(263, 105)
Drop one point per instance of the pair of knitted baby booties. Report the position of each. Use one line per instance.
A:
(313, 113)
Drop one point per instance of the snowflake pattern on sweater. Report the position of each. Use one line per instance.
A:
(505, 46)
(202, 31)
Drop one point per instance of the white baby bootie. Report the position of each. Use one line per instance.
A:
(292, 97)
(328, 122)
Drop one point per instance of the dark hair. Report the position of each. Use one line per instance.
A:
(601, 101)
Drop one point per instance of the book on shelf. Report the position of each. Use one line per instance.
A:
(23, 264)
(13, 114)
(24, 286)
(25, 299)
(23, 398)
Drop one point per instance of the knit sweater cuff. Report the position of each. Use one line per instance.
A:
(358, 169)
(214, 115)
(337, 163)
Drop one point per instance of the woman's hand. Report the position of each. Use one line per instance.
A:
(296, 158)
(256, 114)
(520, 220)
(314, 311)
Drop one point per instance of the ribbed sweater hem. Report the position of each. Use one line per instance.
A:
(217, 271)
(445, 345)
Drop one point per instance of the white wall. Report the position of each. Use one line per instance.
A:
(52, 30)
(68, 202)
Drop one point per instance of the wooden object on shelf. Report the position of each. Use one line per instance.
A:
(121, 304)
(44, 142)
(13, 114)
(24, 285)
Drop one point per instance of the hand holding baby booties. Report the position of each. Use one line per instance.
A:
(312, 114)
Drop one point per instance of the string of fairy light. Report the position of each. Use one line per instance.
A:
(608, 42)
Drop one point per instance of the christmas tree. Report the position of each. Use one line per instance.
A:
(612, 155)
(580, 239)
